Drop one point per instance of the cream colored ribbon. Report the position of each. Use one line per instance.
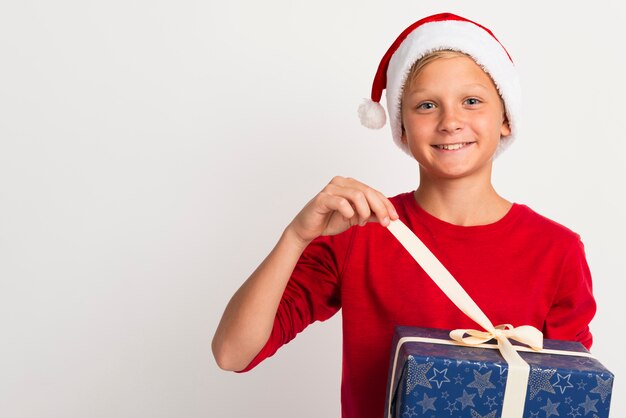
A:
(519, 370)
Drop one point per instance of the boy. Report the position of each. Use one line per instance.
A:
(453, 103)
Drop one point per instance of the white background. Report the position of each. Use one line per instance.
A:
(151, 152)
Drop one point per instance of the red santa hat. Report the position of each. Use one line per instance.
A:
(433, 33)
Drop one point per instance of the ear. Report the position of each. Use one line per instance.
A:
(505, 129)
(403, 136)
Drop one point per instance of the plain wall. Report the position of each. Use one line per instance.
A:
(151, 153)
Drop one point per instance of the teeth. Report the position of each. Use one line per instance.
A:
(451, 146)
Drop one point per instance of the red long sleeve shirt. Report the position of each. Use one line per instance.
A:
(522, 270)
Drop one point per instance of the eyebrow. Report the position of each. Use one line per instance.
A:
(482, 86)
(471, 85)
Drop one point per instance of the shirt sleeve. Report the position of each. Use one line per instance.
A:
(573, 306)
(312, 293)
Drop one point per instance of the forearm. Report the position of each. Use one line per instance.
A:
(249, 316)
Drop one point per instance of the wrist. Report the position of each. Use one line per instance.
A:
(293, 239)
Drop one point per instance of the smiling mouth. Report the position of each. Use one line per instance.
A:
(452, 147)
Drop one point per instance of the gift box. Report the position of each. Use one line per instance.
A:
(432, 376)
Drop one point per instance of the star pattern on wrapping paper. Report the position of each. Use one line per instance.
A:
(540, 380)
(583, 361)
(503, 368)
(475, 414)
(417, 374)
(582, 385)
(481, 382)
(451, 407)
(466, 400)
(427, 404)
(439, 377)
(534, 414)
(551, 408)
(574, 412)
(409, 412)
(603, 387)
(589, 405)
(563, 382)
(491, 401)
(458, 380)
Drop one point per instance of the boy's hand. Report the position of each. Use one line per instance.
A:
(344, 202)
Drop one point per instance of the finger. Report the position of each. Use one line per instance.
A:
(330, 202)
(360, 203)
(377, 203)
(391, 210)
(351, 191)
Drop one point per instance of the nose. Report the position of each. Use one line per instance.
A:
(451, 120)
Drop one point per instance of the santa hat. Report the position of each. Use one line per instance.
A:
(433, 33)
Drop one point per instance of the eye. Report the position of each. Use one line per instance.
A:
(426, 106)
(472, 101)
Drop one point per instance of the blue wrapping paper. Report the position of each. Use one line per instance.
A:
(437, 380)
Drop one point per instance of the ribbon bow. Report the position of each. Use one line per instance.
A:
(525, 334)
(519, 370)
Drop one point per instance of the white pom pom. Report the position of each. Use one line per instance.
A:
(372, 114)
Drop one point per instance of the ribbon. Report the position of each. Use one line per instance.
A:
(519, 370)
(523, 348)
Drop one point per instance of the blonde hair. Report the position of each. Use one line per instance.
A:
(417, 67)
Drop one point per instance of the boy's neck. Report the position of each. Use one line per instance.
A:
(463, 202)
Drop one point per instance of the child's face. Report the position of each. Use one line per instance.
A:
(453, 118)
